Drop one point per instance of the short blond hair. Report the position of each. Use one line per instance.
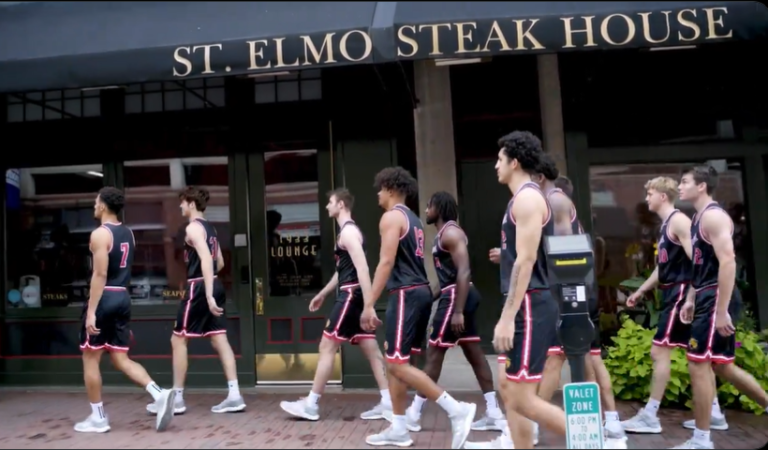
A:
(663, 185)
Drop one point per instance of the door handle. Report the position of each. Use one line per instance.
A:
(258, 295)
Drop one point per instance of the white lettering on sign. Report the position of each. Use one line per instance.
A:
(583, 417)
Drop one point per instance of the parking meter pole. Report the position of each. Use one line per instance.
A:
(570, 262)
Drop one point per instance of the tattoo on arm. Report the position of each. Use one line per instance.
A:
(514, 280)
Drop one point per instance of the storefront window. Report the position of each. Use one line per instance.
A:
(293, 223)
(49, 218)
(626, 231)
(152, 212)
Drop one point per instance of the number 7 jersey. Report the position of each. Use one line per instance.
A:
(120, 254)
(409, 263)
(194, 265)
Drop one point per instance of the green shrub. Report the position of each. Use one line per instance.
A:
(631, 367)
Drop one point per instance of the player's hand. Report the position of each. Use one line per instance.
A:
(369, 321)
(457, 323)
(686, 314)
(316, 303)
(216, 310)
(634, 298)
(503, 336)
(723, 324)
(90, 324)
(494, 255)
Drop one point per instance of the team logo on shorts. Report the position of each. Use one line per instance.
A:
(431, 329)
(174, 324)
(327, 323)
(508, 363)
(385, 346)
(693, 343)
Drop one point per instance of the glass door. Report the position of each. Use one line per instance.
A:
(625, 230)
(289, 263)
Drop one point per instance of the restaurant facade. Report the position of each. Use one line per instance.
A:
(325, 95)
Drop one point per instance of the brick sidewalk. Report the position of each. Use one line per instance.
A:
(45, 420)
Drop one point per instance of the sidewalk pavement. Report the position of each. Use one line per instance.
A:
(45, 420)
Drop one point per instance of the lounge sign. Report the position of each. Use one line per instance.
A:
(673, 27)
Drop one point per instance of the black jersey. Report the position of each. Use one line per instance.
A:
(444, 266)
(120, 254)
(194, 266)
(345, 268)
(539, 276)
(674, 265)
(576, 227)
(706, 266)
(409, 263)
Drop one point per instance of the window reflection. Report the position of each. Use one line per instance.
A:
(152, 212)
(293, 223)
(626, 231)
(49, 218)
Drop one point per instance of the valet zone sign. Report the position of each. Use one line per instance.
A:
(583, 417)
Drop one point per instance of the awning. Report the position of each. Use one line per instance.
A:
(57, 45)
(437, 30)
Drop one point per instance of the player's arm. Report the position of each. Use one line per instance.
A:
(529, 211)
(680, 225)
(219, 259)
(650, 283)
(101, 240)
(196, 235)
(454, 240)
(352, 240)
(390, 228)
(331, 286)
(561, 213)
(718, 228)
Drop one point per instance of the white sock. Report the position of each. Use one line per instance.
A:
(385, 398)
(611, 416)
(652, 407)
(97, 411)
(418, 404)
(312, 398)
(179, 394)
(398, 424)
(491, 404)
(701, 436)
(234, 389)
(154, 390)
(449, 404)
(716, 411)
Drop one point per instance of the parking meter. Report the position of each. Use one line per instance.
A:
(571, 265)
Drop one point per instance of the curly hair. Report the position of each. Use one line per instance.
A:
(398, 180)
(445, 205)
(548, 168)
(112, 198)
(524, 147)
(198, 195)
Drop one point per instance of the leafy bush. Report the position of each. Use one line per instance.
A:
(631, 367)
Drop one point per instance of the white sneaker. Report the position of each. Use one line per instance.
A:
(93, 425)
(165, 410)
(642, 422)
(461, 423)
(716, 423)
(489, 422)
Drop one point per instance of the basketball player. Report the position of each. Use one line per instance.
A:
(354, 281)
(710, 304)
(566, 223)
(673, 276)
(530, 315)
(454, 321)
(201, 313)
(401, 270)
(108, 313)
